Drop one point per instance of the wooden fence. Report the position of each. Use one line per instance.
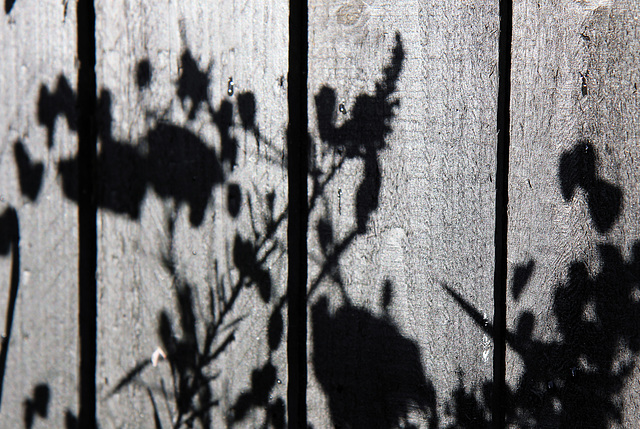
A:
(456, 183)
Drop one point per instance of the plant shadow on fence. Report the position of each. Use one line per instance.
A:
(179, 166)
(182, 168)
(577, 381)
(8, 5)
(371, 374)
(9, 243)
(37, 407)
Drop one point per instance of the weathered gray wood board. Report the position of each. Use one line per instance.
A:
(40, 382)
(402, 99)
(573, 214)
(193, 207)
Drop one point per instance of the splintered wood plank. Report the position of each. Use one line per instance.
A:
(572, 305)
(38, 224)
(402, 101)
(192, 213)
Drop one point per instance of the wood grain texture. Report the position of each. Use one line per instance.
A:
(403, 119)
(192, 207)
(37, 80)
(573, 218)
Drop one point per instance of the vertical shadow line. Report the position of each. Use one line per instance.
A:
(297, 149)
(502, 200)
(10, 228)
(87, 212)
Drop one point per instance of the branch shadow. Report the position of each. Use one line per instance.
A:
(37, 405)
(181, 167)
(576, 381)
(370, 372)
(8, 5)
(9, 243)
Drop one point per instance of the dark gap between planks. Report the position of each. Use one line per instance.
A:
(297, 145)
(502, 200)
(87, 210)
(297, 148)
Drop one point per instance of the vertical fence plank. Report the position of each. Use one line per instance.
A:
(402, 197)
(38, 224)
(573, 227)
(192, 221)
